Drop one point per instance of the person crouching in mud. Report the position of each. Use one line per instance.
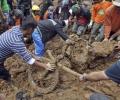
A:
(45, 31)
(12, 42)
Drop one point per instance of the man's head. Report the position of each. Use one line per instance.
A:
(87, 4)
(75, 9)
(109, 0)
(36, 9)
(28, 25)
(51, 9)
(116, 3)
(96, 1)
(18, 13)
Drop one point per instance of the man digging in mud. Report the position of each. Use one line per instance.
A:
(12, 42)
(112, 23)
(113, 72)
(45, 31)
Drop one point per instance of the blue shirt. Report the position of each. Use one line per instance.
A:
(12, 42)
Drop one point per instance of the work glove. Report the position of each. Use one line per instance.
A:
(69, 42)
(90, 24)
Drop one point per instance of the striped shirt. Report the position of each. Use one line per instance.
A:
(12, 42)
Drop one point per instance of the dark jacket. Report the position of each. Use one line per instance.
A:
(84, 15)
(49, 28)
(44, 7)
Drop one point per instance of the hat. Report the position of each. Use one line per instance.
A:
(75, 9)
(116, 2)
(35, 7)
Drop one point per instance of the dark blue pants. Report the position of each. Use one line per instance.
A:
(113, 72)
(4, 74)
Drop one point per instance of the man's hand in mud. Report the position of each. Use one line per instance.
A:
(113, 37)
(105, 39)
(117, 47)
(59, 57)
(83, 77)
(69, 42)
(50, 66)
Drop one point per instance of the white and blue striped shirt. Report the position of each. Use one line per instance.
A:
(12, 42)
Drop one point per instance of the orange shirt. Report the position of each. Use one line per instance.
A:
(112, 20)
(98, 11)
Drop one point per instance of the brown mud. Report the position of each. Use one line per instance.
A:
(79, 57)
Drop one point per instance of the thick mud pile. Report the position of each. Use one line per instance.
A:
(82, 55)
(79, 57)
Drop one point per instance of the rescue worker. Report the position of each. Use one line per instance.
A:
(25, 6)
(12, 42)
(49, 14)
(98, 13)
(36, 12)
(18, 16)
(5, 9)
(81, 15)
(64, 9)
(111, 73)
(45, 31)
(112, 22)
(44, 7)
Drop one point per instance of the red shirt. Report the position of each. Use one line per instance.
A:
(112, 20)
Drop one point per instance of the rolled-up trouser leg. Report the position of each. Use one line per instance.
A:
(94, 30)
(39, 46)
(98, 96)
(7, 17)
(100, 36)
(113, 72)
(75, 27)
(4, 74)
(81, 30)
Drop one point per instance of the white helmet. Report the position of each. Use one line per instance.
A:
(51, 8)
(116, 2)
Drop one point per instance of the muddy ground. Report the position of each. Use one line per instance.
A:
(69, 87)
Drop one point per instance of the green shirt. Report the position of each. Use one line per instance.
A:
(4, 5)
